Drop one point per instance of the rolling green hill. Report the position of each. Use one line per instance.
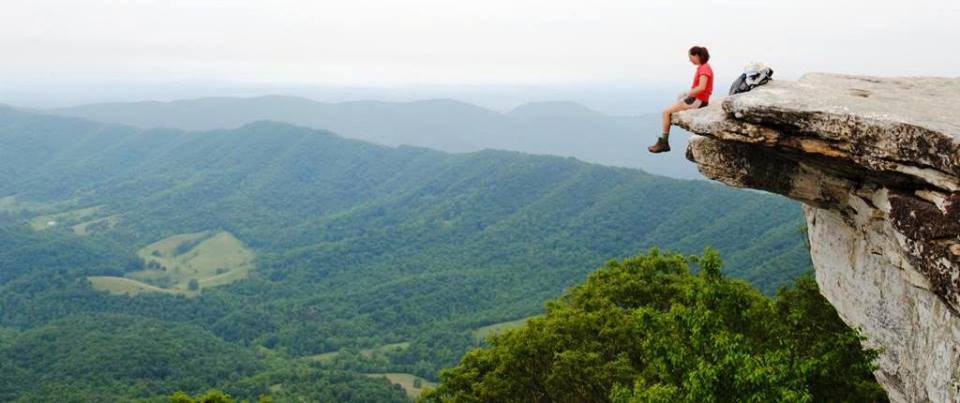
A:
(341, 244)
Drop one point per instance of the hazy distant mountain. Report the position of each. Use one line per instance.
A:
(557, 128)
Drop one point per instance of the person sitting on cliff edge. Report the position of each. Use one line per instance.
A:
(697, 97)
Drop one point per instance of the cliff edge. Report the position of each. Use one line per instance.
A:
(876, 161)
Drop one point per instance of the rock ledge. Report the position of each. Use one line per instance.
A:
(877, 163)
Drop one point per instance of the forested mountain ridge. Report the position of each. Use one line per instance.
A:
(555, 128)
(357, 245)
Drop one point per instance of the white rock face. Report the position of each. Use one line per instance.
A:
(877, 161)
(889, 303)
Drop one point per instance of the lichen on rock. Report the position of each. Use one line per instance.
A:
(877, 162)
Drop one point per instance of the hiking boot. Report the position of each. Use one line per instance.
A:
(662, 146)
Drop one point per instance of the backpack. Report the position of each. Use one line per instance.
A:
(754, 75)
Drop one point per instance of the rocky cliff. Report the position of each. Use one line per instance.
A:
(876, 161)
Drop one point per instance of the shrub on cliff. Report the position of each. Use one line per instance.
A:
(649, 329)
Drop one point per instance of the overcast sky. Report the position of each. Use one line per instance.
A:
(369, 42)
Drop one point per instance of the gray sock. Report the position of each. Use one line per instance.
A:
(665, 136)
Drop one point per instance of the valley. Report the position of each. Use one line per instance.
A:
(322, 259)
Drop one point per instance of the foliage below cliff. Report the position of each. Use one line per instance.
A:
(647, 329)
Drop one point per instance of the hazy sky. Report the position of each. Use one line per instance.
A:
(368, 42)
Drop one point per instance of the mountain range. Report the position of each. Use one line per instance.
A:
(555, 128)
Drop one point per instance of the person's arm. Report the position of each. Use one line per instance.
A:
(702, 85)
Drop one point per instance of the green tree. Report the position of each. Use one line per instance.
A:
(647, 329)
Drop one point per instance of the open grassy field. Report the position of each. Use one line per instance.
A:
(212, 259)
(407, 381)
(482, 333)
(166, 247)
(63, 218)
(126, 286)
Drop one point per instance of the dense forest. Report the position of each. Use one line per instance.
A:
(290, 262)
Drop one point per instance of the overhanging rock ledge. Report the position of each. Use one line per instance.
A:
(876, 161)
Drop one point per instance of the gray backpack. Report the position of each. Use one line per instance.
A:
(754, 75)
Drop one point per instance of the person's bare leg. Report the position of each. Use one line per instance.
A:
(663, 143)
(668, 114)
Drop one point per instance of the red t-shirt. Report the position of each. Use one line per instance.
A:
(703, 70)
